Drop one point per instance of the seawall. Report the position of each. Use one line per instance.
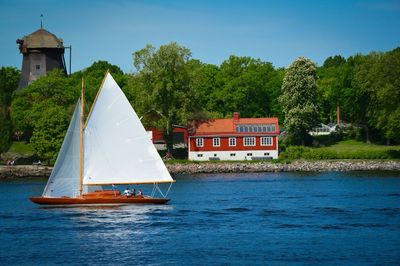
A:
(232, 167)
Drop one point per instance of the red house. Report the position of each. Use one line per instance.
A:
(235, 139)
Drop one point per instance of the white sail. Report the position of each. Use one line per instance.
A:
(64, 179)
(117, 149)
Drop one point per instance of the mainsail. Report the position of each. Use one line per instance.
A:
(64, 179)
(117, 149)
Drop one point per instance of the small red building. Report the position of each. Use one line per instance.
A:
(179, 135)
(234, 139)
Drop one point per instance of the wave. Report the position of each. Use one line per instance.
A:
(237, 209)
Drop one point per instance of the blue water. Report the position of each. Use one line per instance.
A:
(246, 219)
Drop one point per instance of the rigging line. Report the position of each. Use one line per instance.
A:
(170, 185)
(154, 190)
(159, 190)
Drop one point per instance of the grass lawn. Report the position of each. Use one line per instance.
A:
(352, 145)
(348, 149)
(21, 147)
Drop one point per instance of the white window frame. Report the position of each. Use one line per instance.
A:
(266, 141)
(216, 142)
(199, 142)
(233, 144)
(249, 141)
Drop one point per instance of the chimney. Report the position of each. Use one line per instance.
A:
(236, 116)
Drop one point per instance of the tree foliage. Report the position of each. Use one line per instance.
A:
(163, 85)
(93, 76)
(378, 79)
(366, 88)
(9, 77)
(334, 87)
(299, 98)
(49, 132)
(169, 87)
(245, 85)
(31, 103)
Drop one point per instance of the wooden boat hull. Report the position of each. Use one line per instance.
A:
(98, 198)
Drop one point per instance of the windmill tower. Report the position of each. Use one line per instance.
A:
(42, 51)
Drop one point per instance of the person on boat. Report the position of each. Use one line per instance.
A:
(127, 192)
(134, 192)
(140, 194)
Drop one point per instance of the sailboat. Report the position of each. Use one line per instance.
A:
(110, 148)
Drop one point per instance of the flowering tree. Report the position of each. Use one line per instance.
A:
(299, 99)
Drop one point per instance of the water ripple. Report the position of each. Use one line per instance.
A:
(237, 209)
(262, 219)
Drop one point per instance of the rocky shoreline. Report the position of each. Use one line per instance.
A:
(20, 171)
(295, 166)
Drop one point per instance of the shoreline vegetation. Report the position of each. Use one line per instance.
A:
(185, 167)
(169, 87)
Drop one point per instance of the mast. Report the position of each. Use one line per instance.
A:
(81, 139)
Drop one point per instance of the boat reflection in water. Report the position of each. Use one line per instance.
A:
(103, 223)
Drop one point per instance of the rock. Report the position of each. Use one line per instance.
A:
(24, 171)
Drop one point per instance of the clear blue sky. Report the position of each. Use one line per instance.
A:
(274, 31)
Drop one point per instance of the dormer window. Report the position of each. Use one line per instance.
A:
(257, 128)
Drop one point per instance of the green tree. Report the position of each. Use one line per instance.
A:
(203, 81)
(388, 96)
(364, 98)
(29, 104)
(93, 76)
(41, 111)
(334, 61)
(275, 90)
(299, 99)
(49, 132)
(246, 85)
(377, 77)
(9, 77)
(163, 85)
(335, 89)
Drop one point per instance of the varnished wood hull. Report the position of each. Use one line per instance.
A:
(98, 198)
